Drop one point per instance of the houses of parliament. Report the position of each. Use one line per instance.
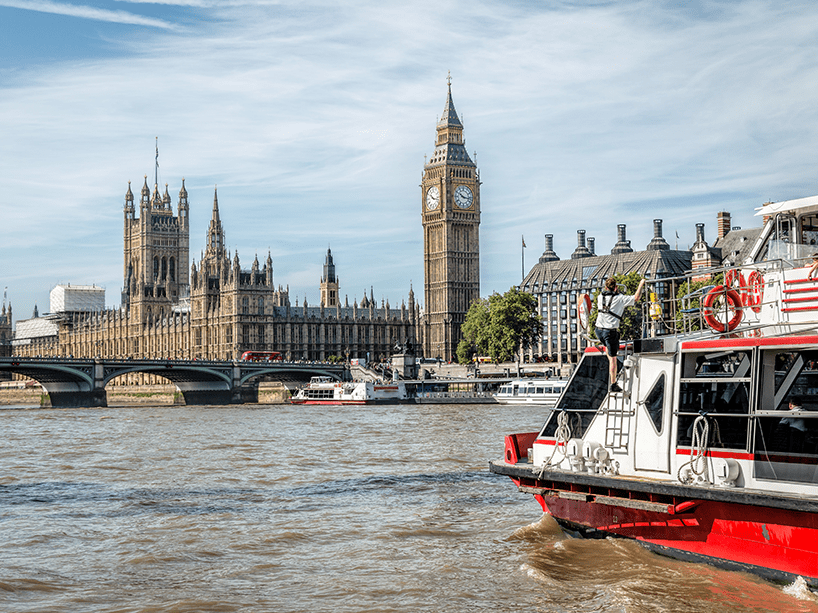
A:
(216, 309)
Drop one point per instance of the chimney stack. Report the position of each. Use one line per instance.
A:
(549, 255)
(657, 243)
(581, 251)
(622, 245)
(723, 222)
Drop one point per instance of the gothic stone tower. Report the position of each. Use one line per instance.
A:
(451, 240)
(156, 252)
(329, 283)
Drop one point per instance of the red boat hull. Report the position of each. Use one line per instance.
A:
(783, 542)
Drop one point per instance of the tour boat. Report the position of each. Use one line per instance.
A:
(326, 390)
(543, 392)
(710, 452)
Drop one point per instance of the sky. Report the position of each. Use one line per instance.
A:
(314, 119)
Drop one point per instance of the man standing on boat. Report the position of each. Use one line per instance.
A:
(611, 305)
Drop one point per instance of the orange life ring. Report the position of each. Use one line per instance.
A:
(732, 301)
(584, 310)
(755, 291)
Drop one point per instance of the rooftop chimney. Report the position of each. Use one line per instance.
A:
(723, 222)
(592, 245)
(657, 243)
(581, 251)
(622, 245)
(549, 255)
(699, 232)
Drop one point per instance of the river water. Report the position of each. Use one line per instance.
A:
(284, 508)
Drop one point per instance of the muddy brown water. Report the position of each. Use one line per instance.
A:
(284, 508)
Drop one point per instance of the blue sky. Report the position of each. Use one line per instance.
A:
(314, 117)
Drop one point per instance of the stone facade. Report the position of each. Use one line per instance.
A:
(450, 212)
(217, 310)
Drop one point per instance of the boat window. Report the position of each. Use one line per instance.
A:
(796, 374)
(717, 364)
(655, 402)
(786, 441)
(717, 385)
(582, 397)
(809, 230)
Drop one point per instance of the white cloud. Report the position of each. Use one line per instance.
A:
(314, 119)
(87, 12)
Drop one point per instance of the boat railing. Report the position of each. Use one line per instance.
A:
(687, 305)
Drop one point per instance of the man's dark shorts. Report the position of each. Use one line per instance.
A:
(609, 338)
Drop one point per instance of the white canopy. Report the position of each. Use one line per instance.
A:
(788, 205)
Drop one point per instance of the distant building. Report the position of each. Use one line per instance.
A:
(557, 283)
(213, 310)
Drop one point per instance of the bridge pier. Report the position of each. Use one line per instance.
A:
(77, 399)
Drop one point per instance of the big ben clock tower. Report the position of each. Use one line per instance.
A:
(451, 238)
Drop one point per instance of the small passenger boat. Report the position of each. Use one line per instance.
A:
(710, 451)
(543, 392)
(326, 390)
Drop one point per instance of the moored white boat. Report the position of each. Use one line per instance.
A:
(326, 390)
(711, 451)
(543, 392)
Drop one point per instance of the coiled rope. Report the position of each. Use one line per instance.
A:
(698, 449)
(562, 435)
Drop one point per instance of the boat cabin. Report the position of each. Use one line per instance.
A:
(724, 392)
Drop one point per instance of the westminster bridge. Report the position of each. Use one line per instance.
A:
(80, 382)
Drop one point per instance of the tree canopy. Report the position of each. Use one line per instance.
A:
(500, 326)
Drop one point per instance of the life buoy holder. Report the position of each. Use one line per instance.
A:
(755, 291)
(584, 311)
(732, 301)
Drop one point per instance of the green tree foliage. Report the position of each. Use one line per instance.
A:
(631, 326)
(499, 326)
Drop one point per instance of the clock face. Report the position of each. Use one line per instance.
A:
(463, 197)
(432, 198)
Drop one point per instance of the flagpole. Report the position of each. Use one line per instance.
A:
(522, 261)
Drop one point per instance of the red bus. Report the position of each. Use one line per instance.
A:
(262, 356)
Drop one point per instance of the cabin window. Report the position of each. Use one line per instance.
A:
(655, 402)
(786, 441)
(583, 397)
(716, 384)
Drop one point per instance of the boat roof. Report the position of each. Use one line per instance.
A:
(787, 205)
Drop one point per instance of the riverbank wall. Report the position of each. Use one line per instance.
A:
(31, 394)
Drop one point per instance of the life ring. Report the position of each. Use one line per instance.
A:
(735, 281)
(732, 301)
(584, 311)
(755, 291)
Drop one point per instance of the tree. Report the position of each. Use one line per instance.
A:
(500, 326)
(631, 326)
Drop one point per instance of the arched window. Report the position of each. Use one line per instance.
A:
(155, 267)
(173, 269)
(164, 269)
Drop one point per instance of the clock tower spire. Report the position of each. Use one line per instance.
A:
(450, 213)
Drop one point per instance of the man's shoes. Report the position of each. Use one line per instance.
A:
(615, 388)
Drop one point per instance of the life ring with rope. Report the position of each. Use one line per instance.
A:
(584, 311)
(731, 300)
